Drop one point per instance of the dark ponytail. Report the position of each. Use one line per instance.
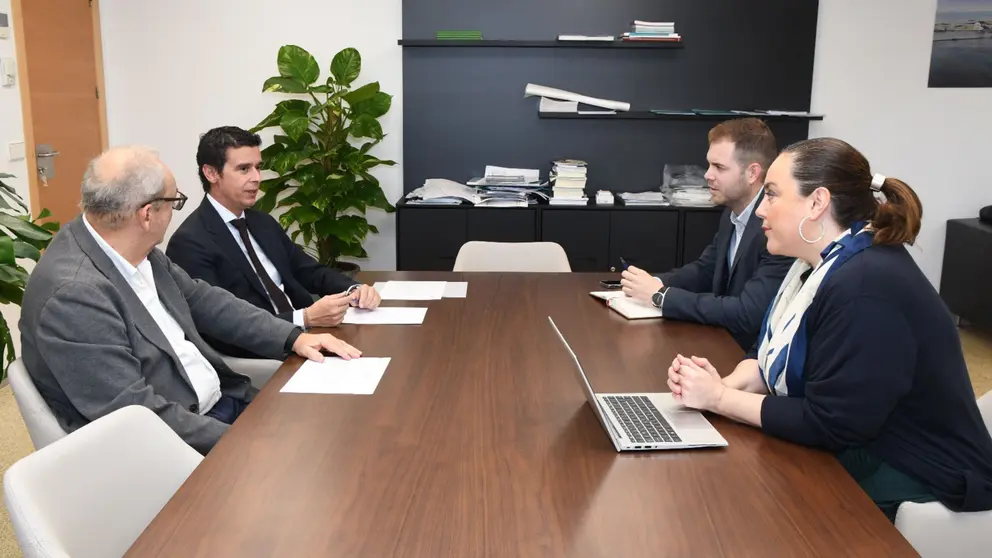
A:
(833, 164)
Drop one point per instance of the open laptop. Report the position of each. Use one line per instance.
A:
(646, 421)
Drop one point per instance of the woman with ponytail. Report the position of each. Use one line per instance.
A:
(857, 352)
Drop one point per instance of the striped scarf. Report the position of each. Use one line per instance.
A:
(782, 348)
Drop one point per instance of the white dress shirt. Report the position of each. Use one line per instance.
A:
(740, 224)
(270, 268)
(201, 374)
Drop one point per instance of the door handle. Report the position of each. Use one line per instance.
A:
(49, 154)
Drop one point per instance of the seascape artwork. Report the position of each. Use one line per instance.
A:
(962, 44)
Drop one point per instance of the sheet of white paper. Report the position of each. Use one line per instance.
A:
(359, 376)
(386, 315)
(456, 289)
(413, 290)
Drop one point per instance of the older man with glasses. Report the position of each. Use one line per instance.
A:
(108, 321)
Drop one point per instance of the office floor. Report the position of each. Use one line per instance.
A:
(15, 443)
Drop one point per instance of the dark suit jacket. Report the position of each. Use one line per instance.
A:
(91, 346)
(705, 291)
(205, 248)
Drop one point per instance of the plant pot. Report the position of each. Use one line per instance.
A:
(348, 269)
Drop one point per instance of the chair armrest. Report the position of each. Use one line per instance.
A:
(258, 369)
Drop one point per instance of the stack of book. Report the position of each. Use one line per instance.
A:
(459, 35)
(569, 182)
(654, 31)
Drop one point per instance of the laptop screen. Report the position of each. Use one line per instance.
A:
(581, 376)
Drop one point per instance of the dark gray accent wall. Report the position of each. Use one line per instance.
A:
(464, 108)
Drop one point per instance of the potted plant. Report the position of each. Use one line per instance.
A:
(322, 157)
(20, 237)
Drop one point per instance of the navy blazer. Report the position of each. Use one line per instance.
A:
(705, 291)
(205, 248)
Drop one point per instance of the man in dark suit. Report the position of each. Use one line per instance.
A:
(108, 321)
(735, 279)
(227, 244)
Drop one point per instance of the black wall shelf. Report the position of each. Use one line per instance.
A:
(648, 115)
(506, 43)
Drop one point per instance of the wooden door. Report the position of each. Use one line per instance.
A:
(61, 73)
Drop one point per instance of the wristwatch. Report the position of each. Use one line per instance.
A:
(658, 298)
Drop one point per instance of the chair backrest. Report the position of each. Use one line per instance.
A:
(42, 425)
(546, 257)
(92, 493)
(985, 407)
(935, 531)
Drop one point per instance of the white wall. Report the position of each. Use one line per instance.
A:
(12, 130)
(870, 80)
(176, 69)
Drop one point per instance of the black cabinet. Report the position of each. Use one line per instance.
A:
(594, 237)
(644, 238)
(966, 272)
(698, 230)
(584, 234)
(496, 224)
(428, 238)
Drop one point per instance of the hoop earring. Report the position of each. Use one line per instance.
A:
(823, 231)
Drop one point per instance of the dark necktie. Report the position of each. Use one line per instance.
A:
(278, 298)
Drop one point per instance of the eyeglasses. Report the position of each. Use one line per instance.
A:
(177, 202)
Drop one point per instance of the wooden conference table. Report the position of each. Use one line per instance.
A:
(478, 442)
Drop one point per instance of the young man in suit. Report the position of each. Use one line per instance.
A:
(108, 321)
(735, 279)
(227, 244)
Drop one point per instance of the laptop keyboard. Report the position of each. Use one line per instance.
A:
(641, 420)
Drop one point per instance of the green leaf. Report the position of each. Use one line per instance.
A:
(10, 274)
(11, 293)
(23, 229)
(325, 89)
(283, 85)
(375, 107)
(45, 213)
(295, 62)
(271, 151)
(346, 66)
(5, 175)
(24, 250)
(295, 235)
(6, 250)
(50, 226)
(13, 195)
(364, 92)
(304, 214)
(285, 162)
(365, 126)
(295, 124)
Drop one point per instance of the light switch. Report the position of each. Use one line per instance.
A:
(4, 26)
(8, 71)
(16, 150)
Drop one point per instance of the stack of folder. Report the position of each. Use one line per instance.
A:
(459, 35)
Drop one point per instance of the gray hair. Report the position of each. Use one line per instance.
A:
(121, 180)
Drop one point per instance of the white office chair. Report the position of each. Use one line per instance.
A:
(44, 428)
(547, 257)
(934, 530)
(42, 425)
(93, 492)
(258, 369)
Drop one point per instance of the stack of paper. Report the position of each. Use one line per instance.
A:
(587, 38)
(663, 31)
(643, 198)
(443, 191)
(569, 176)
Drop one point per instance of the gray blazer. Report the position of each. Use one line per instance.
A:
(91, 347)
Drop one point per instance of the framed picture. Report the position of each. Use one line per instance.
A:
(962, 44)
